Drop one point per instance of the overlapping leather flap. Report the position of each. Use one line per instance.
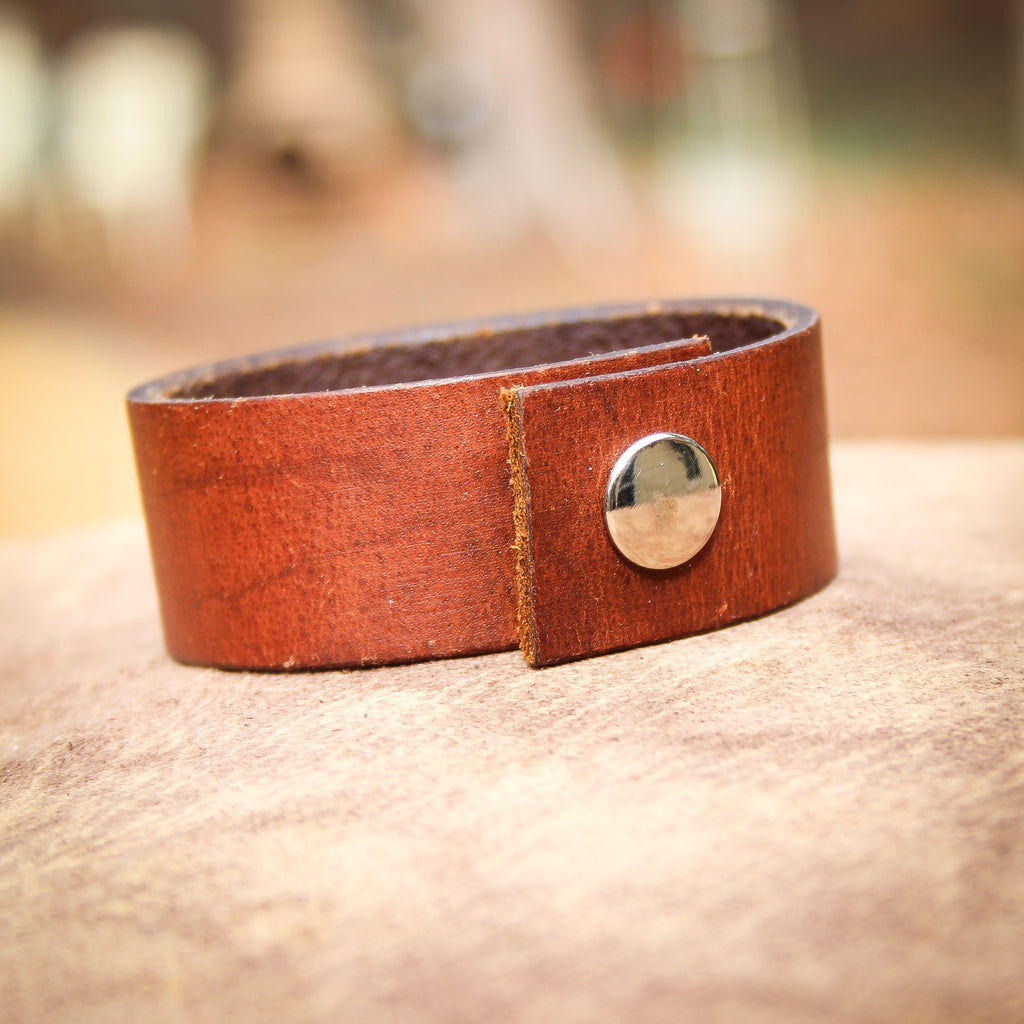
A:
(758, 411)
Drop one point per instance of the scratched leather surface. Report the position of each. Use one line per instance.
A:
(811, 817)
(372, 524)
(761, 413)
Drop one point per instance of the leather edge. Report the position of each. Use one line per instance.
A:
(526, 626)
(793, 316)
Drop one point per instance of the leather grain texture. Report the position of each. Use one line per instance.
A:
(760, 412)
(351, 503)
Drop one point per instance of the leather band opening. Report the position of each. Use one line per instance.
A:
(483, 352)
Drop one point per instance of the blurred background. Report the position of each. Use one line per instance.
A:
(187, 181)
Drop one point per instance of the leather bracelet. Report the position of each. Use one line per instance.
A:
(573, 482)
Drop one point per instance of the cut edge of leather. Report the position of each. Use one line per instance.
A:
(526, 626)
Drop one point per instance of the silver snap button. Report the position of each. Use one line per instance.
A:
(663, 500)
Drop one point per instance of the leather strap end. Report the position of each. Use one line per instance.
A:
(761, 415)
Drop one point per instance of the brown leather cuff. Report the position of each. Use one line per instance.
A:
(351, 503)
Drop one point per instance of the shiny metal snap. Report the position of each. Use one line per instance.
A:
(663, 500)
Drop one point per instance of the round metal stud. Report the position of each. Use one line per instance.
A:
(663, 500)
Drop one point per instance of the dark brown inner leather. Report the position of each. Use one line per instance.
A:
(484, 352)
